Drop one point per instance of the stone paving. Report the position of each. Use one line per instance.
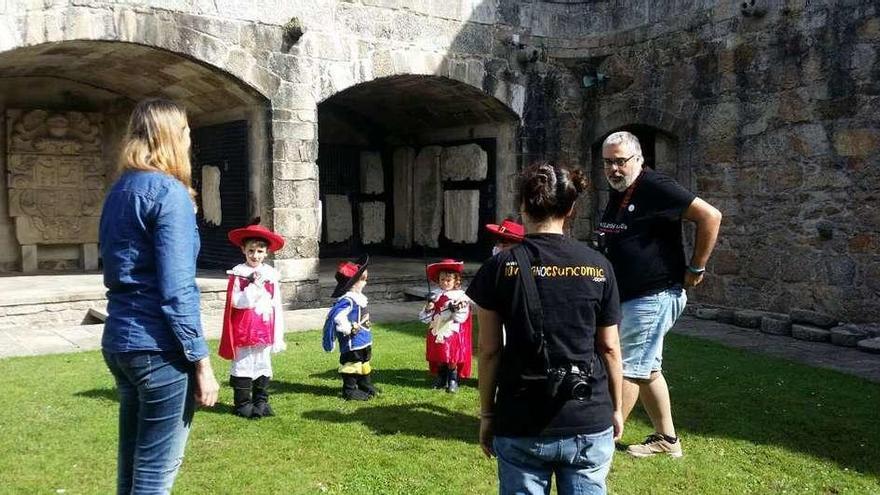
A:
(37, 341)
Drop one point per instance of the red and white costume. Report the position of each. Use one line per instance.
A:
(253, 321)
(448, 340)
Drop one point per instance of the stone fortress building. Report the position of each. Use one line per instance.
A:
(396, 127)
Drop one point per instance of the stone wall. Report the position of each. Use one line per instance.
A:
(775, 117)
(771, 115)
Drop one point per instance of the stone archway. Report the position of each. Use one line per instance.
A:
(662, 136)
(413, 164)
(63, 109)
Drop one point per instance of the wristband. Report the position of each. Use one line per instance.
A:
(696, 271)
(487, 415)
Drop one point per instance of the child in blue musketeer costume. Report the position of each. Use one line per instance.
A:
(349, 323)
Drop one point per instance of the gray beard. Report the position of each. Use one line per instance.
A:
(619, 186)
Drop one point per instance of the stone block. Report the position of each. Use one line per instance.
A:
(296, 193)
(747, 319)
(848, 335)
(725, 316)
(372, 226)
(869, 345)
(857, 142)
(813, 318)
(811, 334)
(775, 326)
(372, 175)
(427, 217)
(462, 215)
(292, 270)
(294, 171)
(337, 218)
(466, 162)
(28, 258)
(706, 313)
(297, 222)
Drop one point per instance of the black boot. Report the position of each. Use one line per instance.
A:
(261, 398)
(452, 384)
(440, 380)
(366, 385)
(350, 390)
(241, 395)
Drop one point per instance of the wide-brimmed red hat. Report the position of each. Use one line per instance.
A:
(347, 273)
(238, 236)
(447, 265)
(508, 230)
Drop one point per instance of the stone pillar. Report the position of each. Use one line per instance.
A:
(428, 191)
(403, 162)
(28, 258)
(462, 216)
(372, 222)
(372, 175)
(90, 256)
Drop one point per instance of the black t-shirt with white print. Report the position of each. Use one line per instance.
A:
(578, 293)
(643, 234)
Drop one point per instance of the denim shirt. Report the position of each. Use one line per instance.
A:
(149, 243)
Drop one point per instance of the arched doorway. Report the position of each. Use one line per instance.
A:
(63, 111)
(413, 166)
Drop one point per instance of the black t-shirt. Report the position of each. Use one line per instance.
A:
(643, 234)
(578, 293)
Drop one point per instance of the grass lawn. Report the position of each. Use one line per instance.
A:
(750, 424)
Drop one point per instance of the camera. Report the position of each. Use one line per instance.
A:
(570, 383)
(599, 241)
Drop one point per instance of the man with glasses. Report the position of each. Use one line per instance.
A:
(641, 231)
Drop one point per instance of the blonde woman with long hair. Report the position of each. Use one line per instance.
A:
(153, 341)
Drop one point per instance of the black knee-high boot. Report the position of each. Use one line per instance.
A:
(241, 395)
(261, 398)
(442, 376)
(365, 384)
(350, 390)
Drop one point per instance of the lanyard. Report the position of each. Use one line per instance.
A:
(624, 203)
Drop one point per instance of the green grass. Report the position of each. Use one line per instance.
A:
(749, 423)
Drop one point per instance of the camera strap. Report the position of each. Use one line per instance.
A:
(532, 300)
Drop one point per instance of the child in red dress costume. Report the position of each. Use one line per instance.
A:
(448, 346)
(253, 321)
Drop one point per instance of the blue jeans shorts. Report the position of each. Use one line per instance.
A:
(646, 320)
(580, 462)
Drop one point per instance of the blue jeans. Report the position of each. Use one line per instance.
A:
(156, 406)
(645, 322)
(580, 462)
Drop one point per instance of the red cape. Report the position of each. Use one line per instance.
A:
(227, 350)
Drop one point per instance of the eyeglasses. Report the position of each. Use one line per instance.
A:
(616, 162)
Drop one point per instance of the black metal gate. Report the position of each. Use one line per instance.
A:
(224, 146)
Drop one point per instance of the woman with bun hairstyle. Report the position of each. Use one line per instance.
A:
(550, 395)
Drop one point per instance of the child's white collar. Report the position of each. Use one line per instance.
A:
(358, 297)
(245, 270)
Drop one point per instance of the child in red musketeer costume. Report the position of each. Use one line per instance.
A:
(253, 321)
(448, 314)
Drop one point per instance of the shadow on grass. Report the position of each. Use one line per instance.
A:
(734, 394)
(398, 377)
(422, 419)
(99, 393)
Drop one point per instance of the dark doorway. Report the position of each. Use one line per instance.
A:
(223, 146)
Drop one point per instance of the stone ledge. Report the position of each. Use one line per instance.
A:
(810, 334)
(813, 318)
(870, 345)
